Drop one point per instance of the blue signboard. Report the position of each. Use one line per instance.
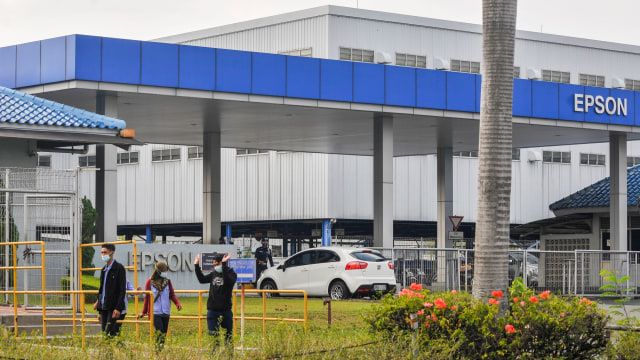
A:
(245, 268)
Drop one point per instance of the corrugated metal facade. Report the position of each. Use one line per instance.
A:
(303, 34)
(284, 185)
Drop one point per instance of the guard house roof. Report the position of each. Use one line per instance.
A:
(27, 116)
(597, 194)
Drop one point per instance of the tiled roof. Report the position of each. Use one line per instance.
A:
(20, 108)
(597, 194)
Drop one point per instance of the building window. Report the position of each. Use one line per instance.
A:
(250, 151)
(165, 155)
(299, 52)
(87, 161)
(411, 60)
(195, 152)
(556, 157)
(465, 66)
(592, 159)
(356, 55)
(516, 72)
(633, 161)
(466, 154)
(515, 154)
(44, 160)
(632, 84)
(591, 80)
(128, 157)
(556, 76)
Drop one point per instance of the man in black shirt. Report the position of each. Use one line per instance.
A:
(263, 254)
(111, 296)
(221, 281)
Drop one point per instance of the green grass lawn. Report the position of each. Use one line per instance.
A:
(347, 337)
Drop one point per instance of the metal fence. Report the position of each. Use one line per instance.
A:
(564, 272)
(39, 205)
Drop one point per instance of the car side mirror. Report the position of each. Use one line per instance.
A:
(281, 267)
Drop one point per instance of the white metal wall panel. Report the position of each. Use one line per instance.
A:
(401, 188)
(275, 193)
(286, 184)
(294, 35)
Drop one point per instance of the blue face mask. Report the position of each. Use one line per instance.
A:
(218, 268)
(106, 258)
(163, 275)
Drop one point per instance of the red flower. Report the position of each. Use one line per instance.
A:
(561, 314)
(433, 316)
(585, 301)
(493, 301)
(427, 324)
(515, 299)
(521, 303)
(533, 299)
(428, 304)
(510, 329)
(420, 312)
(497, 294)
(440, 304)
(416, 287)
(545, 294)
(453, 307)
(454, 291)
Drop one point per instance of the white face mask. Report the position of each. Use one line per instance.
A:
(163, 275)
(218, 268)
(106, 258)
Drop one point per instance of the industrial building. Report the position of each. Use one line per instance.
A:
(287, 194)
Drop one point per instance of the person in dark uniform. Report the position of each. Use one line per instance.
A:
(221, 281)
(263, 254)
(111, 304)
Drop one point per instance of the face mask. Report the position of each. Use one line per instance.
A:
(106, 258)
(163, 275)
(218, 268)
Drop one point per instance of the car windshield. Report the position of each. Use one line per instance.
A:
(368, 256)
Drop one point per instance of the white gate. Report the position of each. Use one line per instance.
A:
(40, 205)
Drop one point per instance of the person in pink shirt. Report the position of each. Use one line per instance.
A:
(160, 285)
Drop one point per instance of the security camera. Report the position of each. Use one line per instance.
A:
(333, 221)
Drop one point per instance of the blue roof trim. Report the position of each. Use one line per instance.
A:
(19, 108)
(82, 57)
(597, 194)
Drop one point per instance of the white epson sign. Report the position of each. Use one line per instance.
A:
(600, 104)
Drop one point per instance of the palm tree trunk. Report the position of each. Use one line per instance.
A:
(494, 176)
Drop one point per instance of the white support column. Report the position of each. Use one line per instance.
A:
(618, 191)
(106, 176)
(211, 202)
(383, 181)
(445, 195)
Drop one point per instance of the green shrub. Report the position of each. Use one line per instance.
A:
(537, 326)
(88, 283)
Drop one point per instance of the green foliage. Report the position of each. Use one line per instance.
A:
(617, 288)
(88, 283)
(89, 217)
(537, 326)
(627, 342)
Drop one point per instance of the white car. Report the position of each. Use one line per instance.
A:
(339, 272)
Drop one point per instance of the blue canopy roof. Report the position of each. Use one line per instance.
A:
(20, 108)
(597, 194)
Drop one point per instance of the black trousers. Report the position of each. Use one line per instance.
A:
(109, 325)
(161, 323)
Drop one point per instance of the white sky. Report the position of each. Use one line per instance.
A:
(29, 20)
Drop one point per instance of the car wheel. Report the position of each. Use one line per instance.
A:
(269, 285)
(338, 290)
